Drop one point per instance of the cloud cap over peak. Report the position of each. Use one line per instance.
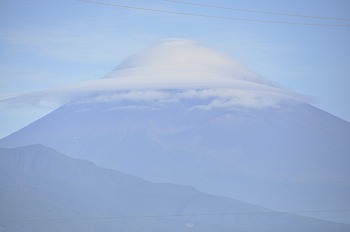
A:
(174, 65)
(175, 61)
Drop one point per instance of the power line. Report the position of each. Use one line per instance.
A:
(257, 11)
(172, 215)
(210, 16)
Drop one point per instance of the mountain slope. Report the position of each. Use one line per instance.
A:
(43, 190)
(288, 158)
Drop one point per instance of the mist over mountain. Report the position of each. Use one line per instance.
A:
(184, 114)
(43, 190)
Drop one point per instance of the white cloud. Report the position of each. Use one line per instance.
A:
(65, 43)
(170, 72)
(73, 42)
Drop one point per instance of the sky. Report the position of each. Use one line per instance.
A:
(49, 44)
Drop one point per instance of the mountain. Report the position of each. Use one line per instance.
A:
(293, 158)
(43, 190)
(184, 114)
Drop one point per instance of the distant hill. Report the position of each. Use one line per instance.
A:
(43, 190)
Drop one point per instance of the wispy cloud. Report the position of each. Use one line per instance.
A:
(205, 99)
(75, 42)
(68, 44)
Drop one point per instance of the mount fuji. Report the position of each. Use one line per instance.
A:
(185, 114)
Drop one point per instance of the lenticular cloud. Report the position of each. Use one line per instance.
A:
(170, 72)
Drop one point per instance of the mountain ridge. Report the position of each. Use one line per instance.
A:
(59, 192)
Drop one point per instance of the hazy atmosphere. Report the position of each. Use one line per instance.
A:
(174, 115)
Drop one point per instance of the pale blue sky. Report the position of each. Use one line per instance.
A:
(46, 44)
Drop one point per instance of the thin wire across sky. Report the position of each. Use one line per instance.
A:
(222, 17)
(172, 215)
(257, 11)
